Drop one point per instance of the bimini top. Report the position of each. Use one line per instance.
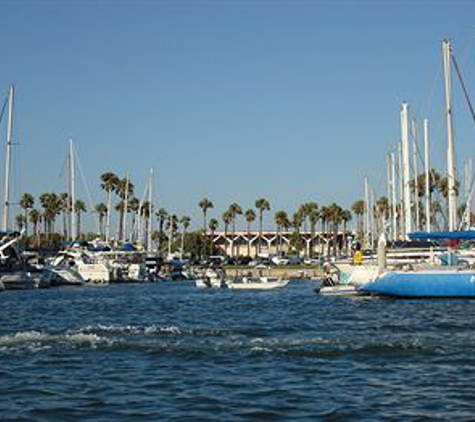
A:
(462, 235)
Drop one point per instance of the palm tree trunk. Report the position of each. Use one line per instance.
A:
(248, 239)
(260, 233)
(182, 247)
(79, 225)
(108, 221)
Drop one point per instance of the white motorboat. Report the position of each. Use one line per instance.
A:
(215, 279)
(18, 280)
(260, 283)
(338, 290)
(78, 262)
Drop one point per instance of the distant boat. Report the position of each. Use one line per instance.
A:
(212, 278)
(338, 290)
(260, 283)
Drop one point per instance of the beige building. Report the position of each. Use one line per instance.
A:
(272, 243)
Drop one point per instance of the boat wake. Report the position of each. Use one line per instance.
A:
(202, 342)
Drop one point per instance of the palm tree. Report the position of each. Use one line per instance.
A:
(262, 205)
(358, 209)
(79, 207)
(109, 183)
(346, 217)
(101, 210)
(124, 189)
(133, 208)
(382, 209)
(27, 201)
(20, 221)
(145, 216)
(172, 226)
(65, 211)
(297, 220)
(250, 216)
(51, 204)
(313, 216)
(234, 210)
(281, 221)
(227, 218)
(336, 217)
(162, 216)
(205, 204)
(35, 218)
(185, 222)
(212, 225)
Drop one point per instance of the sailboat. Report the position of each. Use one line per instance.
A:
(434, 282)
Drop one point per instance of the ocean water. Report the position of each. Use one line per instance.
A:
(171, 352)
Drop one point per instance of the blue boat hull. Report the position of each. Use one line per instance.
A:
(430, 284)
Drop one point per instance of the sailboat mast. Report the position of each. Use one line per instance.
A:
(150, 196)
(400, 212)
(451, 197)
(427, 175)
(406, 170)
(390, 197)
(73, 192)
(416, 173)
(468, 188)
(126, 206)
(393, 195)
(6, 192)
(366, 213)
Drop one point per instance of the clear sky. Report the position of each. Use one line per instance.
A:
(294, 101)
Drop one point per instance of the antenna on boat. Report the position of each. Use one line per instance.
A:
(6, 192)
(451, 198)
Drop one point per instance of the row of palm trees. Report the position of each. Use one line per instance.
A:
(306, 216)
(53, 205)
(44, 212)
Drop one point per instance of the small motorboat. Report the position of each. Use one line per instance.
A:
(212, 278)
(338, 290)
(260, 283)
(18, 280)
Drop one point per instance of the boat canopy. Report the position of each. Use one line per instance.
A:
(461, 235)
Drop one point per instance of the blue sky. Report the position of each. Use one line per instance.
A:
(233, 100)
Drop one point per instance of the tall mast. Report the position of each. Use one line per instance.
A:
(6, 192)
(150, 196)
(73, 192)
(390, 197)
(451, 198)
(406, 170)
(468, 187)
(416, 173)
(393, 195)
(126, 206)
(366, 213)
(427, 175)
(401, 192)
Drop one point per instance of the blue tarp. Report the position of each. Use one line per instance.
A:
(128, 247)
(464, 235)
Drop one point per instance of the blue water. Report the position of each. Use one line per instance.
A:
(171, 352)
